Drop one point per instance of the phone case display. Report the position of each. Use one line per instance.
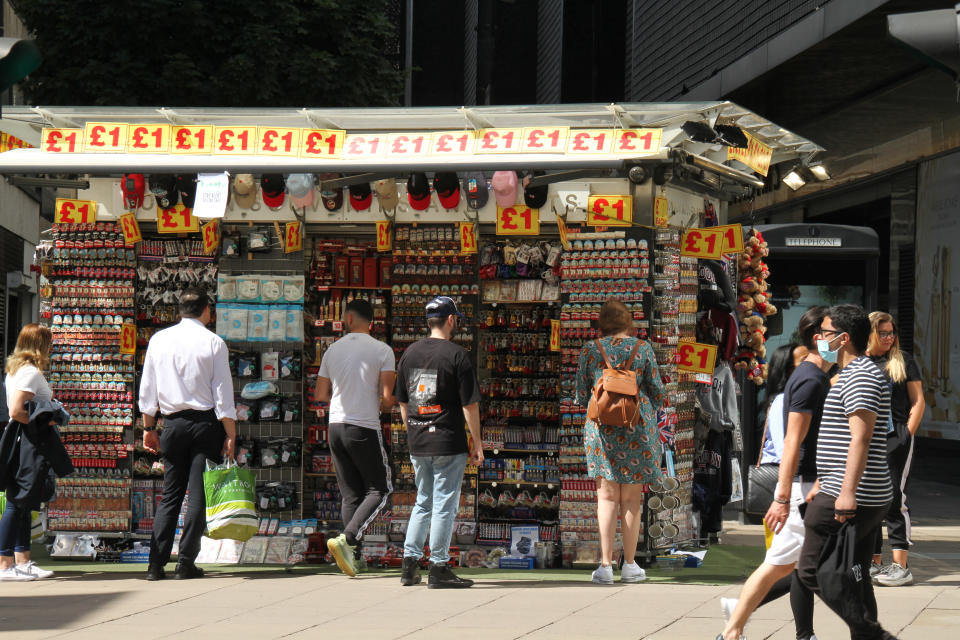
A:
(87, 284)
(514, 271)
(427, 263)
(598, 267)
(262, 291)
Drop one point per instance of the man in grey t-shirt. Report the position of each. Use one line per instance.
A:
(356, 377)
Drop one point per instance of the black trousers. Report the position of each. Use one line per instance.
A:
(899, 458)
(363, 473)
(189, 438)
(819, 524)
(801, 602)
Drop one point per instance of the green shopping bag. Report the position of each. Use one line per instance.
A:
(37, 521)
(230, 493)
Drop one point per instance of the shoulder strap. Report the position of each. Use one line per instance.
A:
(766, 432)
(603, 354)
(633, 354)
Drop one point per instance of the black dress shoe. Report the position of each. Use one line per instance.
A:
(411, 572)
(441, 577)
(186, 570)
(156, 572)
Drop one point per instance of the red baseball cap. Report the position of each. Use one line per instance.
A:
(273, 187)
(133, 186)
(360, 196)
(418, 191)
(447, 187)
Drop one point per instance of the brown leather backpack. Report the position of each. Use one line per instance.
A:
(616, 400)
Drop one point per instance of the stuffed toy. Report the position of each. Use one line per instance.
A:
(745, 305)
(749, 285)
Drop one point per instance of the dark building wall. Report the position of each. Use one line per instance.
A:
(594, 50)
(438, 53)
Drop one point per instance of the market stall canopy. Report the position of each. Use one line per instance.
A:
(546, 137)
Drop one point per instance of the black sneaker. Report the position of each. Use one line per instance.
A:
(156, 572)
(411, 572)
(442, 577)
(186, 570)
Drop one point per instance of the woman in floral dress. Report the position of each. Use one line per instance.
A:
(622, 459)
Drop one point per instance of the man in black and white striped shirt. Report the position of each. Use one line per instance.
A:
(853, 476)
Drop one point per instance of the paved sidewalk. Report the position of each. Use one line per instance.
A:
(282, 605)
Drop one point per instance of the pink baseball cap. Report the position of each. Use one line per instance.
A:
(505, 188)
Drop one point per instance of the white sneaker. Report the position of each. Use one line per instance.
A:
(631, 572)
(602, 575)
(14, 574)
(727, 605)
(33, 569)
(895, 576)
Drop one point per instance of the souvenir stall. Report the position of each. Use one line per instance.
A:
(529, 217)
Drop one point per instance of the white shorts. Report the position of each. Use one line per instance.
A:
(786, 545)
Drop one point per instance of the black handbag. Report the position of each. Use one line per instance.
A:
(761, 484)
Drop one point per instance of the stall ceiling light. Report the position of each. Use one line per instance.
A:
(819, 172)
(794, 180)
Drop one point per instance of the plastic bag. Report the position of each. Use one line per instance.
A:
(230, 493)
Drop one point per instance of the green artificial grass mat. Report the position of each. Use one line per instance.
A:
(724, 564)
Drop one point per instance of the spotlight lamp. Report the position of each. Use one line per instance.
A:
(819, 171)
(793, 179)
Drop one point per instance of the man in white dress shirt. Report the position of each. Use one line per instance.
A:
(186, 380)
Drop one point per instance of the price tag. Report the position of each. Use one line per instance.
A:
(405, 145)
(130, 228)
(453, 143)
(179, 219)
(149, 138)
(62, 140)
(321, 143)
(609, 211)
(732, 238)
(293, 237)
(757, 155)
(105, 137)
(590, 141)
(637, 142)
(278, 142)
(384, 237)
(705, 243)
(128, 338)
(234, 141)
(211, 236)
(518, 220)
(499, 141)
(562, 230)
(468, 238)
(364, 146)
(545, 139)
(67, 211)
(192, 139)
(695, 357)
(661, 211)
(554, 335)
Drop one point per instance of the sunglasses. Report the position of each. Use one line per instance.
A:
(886, 335)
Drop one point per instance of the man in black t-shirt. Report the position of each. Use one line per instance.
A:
(438, 392)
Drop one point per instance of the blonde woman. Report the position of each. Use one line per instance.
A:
(24, 382)
(906, 411)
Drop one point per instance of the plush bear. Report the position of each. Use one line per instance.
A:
(745, 305)
(749, 285)
(752, 334)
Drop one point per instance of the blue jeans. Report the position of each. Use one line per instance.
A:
(438, 498)
(15, 530)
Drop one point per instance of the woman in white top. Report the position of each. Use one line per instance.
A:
(24, 382)
(782, 363)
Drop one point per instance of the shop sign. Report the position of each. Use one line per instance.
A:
(293, 237)
(661, 211)
(610, 211)
(757, 155)
(813, 242)
(149, 138)
(562, 230)
(554, 335)
(694, 357)
(518, 220)
(732, 238)
(8, 142)
(468, 238)
(67, 211)
(384, 237)
(178, 219)
(211, 236)
(128, 338)
(212, 195)
(332, 144)
(130, 228)
(705, 243)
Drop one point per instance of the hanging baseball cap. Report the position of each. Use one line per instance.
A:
(360, 196)
(418, 191)
(187, 186)
(132, 185)
(505, 188)
(441, 307)
(244, 190)
(273, 187)
(478, 194)
(447, 187)
(300, 186)
(534, 197)
(163, 186)
(332, 198)
(387, 194)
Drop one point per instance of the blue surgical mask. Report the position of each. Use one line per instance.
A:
(823, 347)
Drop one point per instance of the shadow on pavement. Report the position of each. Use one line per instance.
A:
(36, 612)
